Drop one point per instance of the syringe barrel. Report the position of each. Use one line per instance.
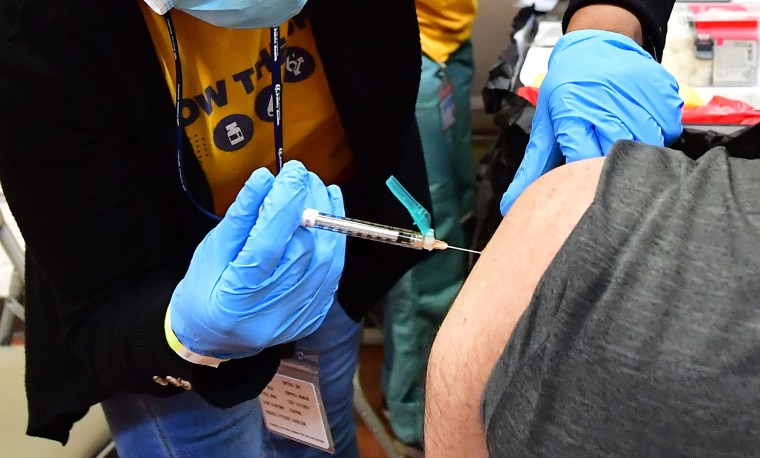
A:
(363, 229)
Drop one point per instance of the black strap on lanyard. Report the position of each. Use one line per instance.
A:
(179, 130)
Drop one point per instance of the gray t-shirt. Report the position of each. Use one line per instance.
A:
(643, 336)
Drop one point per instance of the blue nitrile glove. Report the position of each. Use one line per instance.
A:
(259, 279)
(601, 87)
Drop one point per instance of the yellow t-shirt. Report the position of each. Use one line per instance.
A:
(227, 104)
(444, 25)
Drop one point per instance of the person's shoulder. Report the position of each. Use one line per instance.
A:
(557, 200)
(538, 225)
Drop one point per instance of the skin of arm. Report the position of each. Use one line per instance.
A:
(493, 298)
(607, 17)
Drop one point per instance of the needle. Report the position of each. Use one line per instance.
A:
(457, 248)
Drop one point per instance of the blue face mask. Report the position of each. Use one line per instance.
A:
(234, 14)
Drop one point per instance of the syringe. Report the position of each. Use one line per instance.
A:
(377, 232)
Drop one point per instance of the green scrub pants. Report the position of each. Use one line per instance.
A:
(417, 304)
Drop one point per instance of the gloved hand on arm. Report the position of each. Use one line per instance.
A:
(260, 279)
(601, 87)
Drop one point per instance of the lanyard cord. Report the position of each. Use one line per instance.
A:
(274, 34)
(179, 130)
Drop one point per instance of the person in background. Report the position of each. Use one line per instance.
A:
(133, 127)
(415, 307)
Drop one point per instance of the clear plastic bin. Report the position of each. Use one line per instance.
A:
(714, 44)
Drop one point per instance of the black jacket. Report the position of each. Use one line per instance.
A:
(653, 15)
(88, 168)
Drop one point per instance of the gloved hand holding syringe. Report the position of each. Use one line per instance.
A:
(382, 233)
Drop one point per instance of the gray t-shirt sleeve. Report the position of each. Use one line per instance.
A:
(641, 338)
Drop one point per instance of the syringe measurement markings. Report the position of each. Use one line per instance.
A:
(376, 233)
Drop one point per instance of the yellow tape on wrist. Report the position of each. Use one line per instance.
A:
(184, 352)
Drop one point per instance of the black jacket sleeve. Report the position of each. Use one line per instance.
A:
(653, 15)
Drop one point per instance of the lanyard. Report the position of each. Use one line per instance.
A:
(274, 34)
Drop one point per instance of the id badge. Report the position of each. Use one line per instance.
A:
(292, 403)
(446, 102)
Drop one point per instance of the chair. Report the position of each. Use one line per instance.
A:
(12, 244)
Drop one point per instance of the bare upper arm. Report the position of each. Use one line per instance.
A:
(492, 300)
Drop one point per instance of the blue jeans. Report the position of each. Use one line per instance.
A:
(186, 426)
